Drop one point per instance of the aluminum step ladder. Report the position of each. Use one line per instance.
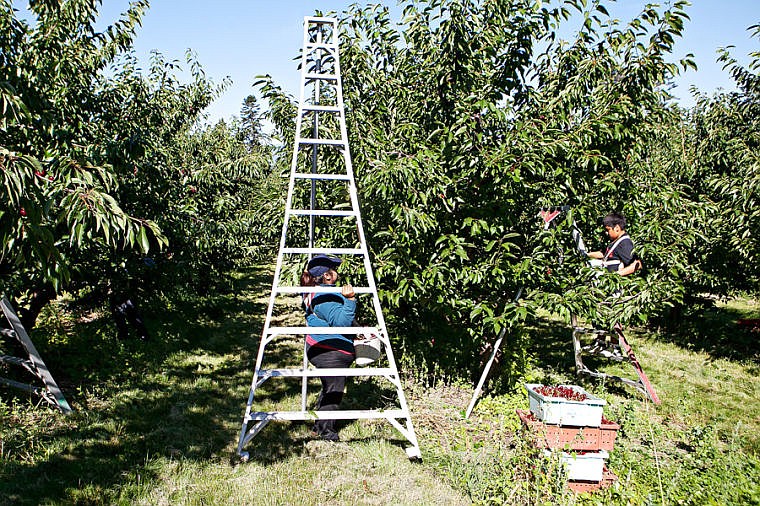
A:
(617, 348)
(313, 217)
(34, 364)
(610, 345)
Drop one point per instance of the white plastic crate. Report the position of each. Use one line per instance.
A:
(560, 411)
(583, 466)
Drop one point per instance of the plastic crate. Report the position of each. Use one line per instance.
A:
(568, 437)
(580, 486)
(587, 466)
(559, 411)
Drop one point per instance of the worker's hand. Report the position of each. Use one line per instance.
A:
(347, 291)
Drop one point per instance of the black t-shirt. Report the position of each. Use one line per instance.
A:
(622, 252)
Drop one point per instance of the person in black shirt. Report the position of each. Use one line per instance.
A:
(619, 256)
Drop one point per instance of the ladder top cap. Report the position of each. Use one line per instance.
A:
(319, 19)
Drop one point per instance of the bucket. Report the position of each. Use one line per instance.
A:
(368, 348)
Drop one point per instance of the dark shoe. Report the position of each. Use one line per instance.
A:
(330, 436)
(325, 435)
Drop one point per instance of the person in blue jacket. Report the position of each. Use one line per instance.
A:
(328, 350)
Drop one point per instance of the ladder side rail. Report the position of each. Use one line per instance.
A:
(278, 266)
(314, 135)
(52, 392)
(367, 265)
(313, 194)
(291, 191)
(304, 378)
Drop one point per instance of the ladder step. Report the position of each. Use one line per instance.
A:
(320, 20)
(326, 251)
(325, 77)
(316, 373)
(320, 289)
(304, 175)
(327, 142)
(321, 330)
(335, 415)
(321, 212)
(320, 108)
(16, 360)
(322, 45)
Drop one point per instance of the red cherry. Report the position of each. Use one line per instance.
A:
(40, 173)
(22, 211)
(561, 392)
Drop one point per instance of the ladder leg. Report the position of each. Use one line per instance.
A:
(52, 392)
(483, 376)
(648, 388)
(244, 438)
(577, 348)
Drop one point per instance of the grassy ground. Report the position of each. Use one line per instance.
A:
(157, 422)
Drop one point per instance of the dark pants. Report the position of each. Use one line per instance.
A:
(126, 312)
(332, 386)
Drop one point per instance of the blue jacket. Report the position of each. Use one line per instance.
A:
(330, 310)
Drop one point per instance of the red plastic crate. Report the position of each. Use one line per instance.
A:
(608, 478)
(568, 437)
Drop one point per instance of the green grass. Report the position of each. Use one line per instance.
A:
(157, 422)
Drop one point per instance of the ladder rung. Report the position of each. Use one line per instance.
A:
(321, 212)
(14, 360)
(303, 175)
(320, 108)
(325, 77)
(328, 142)
(320, 20)
(321, 330)
(321, 45)
(326, 251)
(315, 373)
(22, 386)
(320, 289)
(335, 415)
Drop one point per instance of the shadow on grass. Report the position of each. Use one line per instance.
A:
(550, 346)
(544, 344)
(279, 440)
(714, 329)
(180, 395)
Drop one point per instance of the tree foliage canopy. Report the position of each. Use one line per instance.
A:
(103, 163)
(466, 117)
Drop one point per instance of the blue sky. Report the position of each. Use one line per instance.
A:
(245, 38)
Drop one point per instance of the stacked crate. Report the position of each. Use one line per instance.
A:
(576, 428)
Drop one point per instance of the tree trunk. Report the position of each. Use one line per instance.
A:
(38, 300)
